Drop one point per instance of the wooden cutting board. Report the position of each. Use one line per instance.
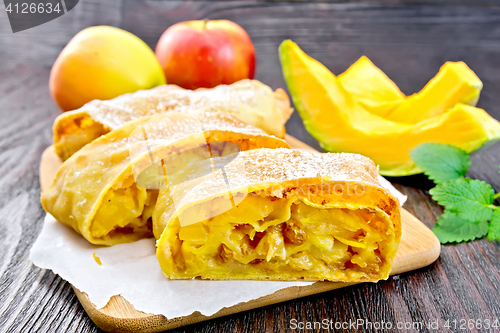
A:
(419, 247)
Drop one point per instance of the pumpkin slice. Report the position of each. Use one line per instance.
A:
(455, 83)
(370, 87)
(341, 125)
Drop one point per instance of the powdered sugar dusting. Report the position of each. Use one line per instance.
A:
(254, 102)
(275, 166)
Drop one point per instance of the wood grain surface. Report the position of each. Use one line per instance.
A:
(409, 42)
(419, 247)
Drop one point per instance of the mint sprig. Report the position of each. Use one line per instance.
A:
(468, 204)
(467, 198)
(494, 227)
(451, 228)
(441, 162)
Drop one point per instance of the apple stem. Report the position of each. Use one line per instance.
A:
(205, 21)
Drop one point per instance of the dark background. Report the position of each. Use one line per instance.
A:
(408, 42)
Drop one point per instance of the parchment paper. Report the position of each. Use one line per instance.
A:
(132, 271)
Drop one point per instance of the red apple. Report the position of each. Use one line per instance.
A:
(197, 54)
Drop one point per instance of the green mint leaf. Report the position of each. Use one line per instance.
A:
(494, 228)
(467, 198)
(441, 162)
(451, 228)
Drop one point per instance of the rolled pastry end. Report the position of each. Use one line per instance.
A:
(73, 130)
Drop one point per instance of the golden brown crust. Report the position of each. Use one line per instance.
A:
(284, 107)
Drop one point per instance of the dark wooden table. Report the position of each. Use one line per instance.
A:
(409, 43)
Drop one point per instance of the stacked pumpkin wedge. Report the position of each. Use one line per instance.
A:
(362, 111)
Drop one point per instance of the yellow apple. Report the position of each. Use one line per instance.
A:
(102, 63)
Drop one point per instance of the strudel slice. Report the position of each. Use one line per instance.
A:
(252, 101)
(279, 214)
(107, 190)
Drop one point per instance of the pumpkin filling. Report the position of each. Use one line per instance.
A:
(125, 211)
(282, 238)
(128, 207)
